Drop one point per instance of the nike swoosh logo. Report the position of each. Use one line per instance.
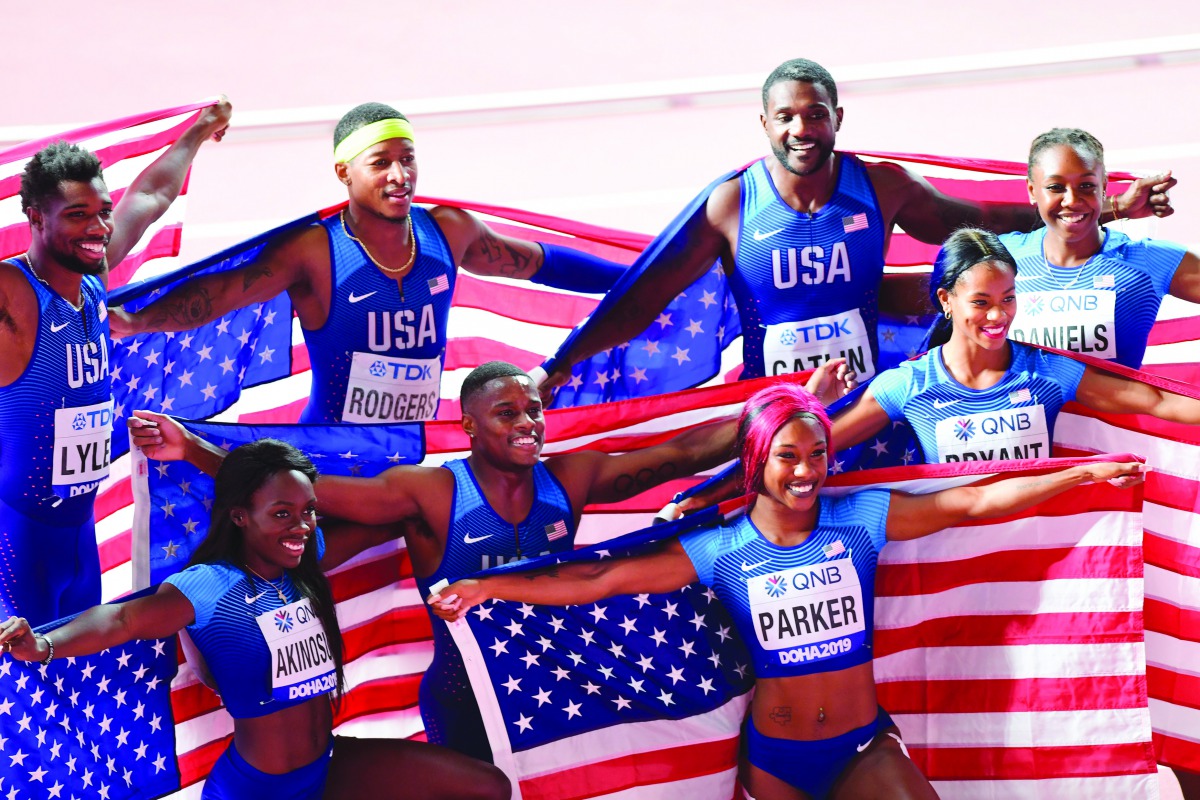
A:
(747, 567)
(758, 237)
(469, 539)
(56, 328)
(254, 599)
(943, 403)
(864, 745)
(354, 298)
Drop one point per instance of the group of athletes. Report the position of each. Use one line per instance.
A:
(801, 235)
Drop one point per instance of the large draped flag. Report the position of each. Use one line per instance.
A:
(510, 320)
(1001, 690)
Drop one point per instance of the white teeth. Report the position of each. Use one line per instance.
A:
(295, 547)
(523, 440)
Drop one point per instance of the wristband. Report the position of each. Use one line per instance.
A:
(50, 644)
(575, 271)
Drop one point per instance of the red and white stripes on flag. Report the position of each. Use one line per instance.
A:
(387, 630)
(1011, 652)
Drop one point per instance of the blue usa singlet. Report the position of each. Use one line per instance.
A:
(265, 653)
(478, 539)
(803, 609)
(807, 285)
(55, 437)
(378, 357)
(1104, 308)
(1012, 419)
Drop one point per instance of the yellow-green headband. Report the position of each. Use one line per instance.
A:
(372, 134)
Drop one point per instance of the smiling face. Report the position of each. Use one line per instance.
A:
(1068, 187)
(797, 465)
(505, 423)
(801, 124)
(382, 179)
(278, 523)
(982, 304)
(72, 228)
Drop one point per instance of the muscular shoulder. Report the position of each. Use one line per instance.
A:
(460, 228)
(307, 246)
(724, 206)
(894, 186)
(18, 303)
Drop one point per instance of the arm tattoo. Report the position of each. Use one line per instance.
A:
(190, 306)
(628, 485)
(253, 274)
(508, 261)
(548, 572)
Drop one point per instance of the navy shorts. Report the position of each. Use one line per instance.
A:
(812, 766)
(232, 778)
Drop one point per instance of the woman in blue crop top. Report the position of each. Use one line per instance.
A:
(257, 566)
(979, 396)
(834, 740)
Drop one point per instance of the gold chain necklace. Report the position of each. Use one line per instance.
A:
(412, 255)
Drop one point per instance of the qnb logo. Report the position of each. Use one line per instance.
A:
(1033, 304)
(283, 620)
(378, 369)
(964, 429)
(776, 586)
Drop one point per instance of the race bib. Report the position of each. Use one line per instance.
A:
(387, 389)
(301, 662)
(809, 613)
(1079, 320)
(796, 346)
(82, 448)
(1015, 433)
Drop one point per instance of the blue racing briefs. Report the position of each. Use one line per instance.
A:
(1011, 420)
(233, 778)
(1104, 308)
(812, 766)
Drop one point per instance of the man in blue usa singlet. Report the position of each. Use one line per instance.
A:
(56, 407)
(371, 285)
(802, 235)
(500, 504)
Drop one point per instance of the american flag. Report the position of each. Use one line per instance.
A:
(999, 691)
(493, 319)
(556, 531)
(855, 222)
(439, 284)
(90, 727)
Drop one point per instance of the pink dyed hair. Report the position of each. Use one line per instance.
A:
(764, 414)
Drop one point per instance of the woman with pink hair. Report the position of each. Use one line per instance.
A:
(812, 656)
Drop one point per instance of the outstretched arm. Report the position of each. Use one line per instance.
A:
(695, 252)
(664, 570)
(929, 215)
(911, 516)
(283, 266)
(1113, 394)
(602, 478)
(1186, 282)
(152, 617)
(153, 191)
(388, 497)
(862, 420)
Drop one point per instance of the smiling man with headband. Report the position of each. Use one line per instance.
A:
(372, 285)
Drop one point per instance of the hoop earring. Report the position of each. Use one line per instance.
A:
(947, 313)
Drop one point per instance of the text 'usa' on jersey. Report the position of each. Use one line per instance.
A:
(56, 419)
(807, 285)
(378, 357)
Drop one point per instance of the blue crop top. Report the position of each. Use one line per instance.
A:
(264, 654)
(805, 609)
